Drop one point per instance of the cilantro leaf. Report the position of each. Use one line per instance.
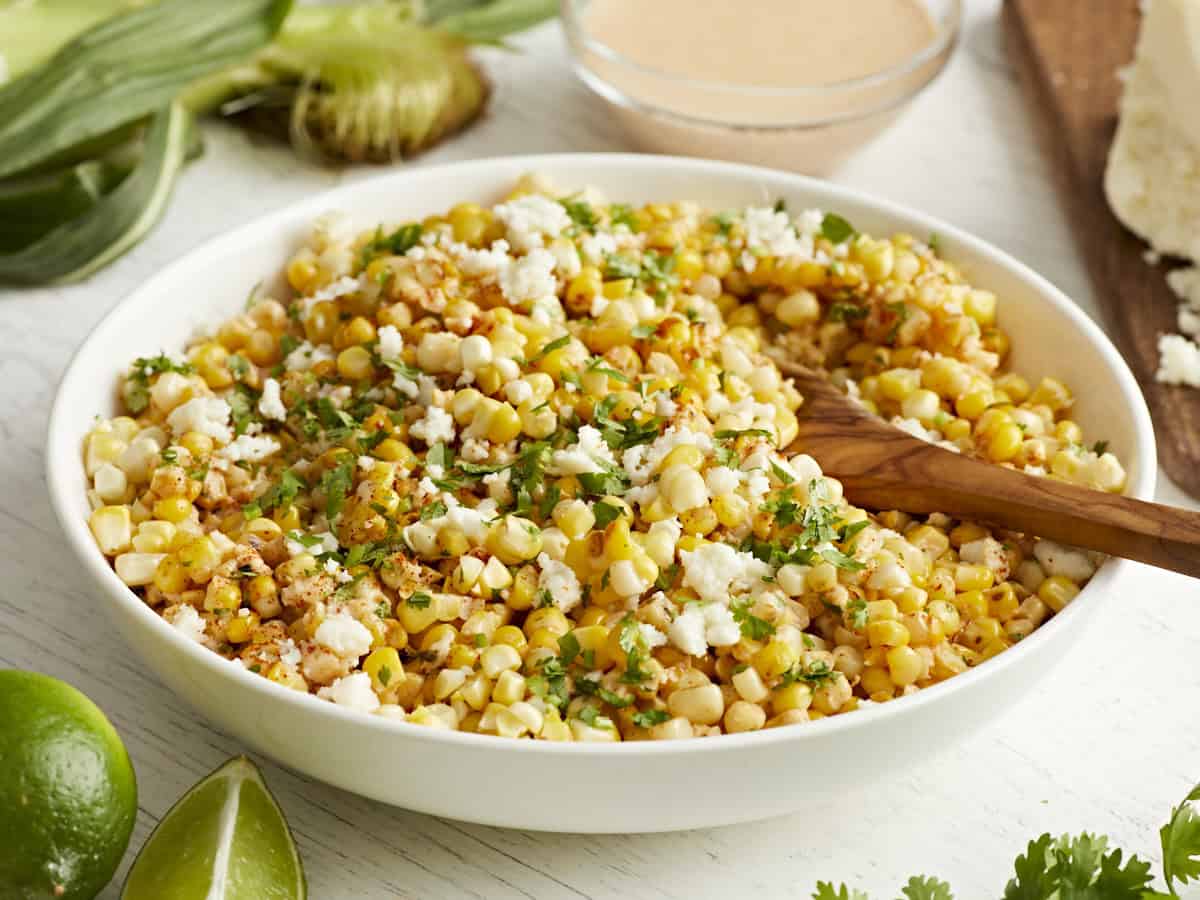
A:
(336, 484)
(847, 312)
(857, 613)
(826, 891)
(922, 887)
(278, 495)
(581, 212)
(620, 267)
(622, 214)
(136, 391)
(836, 229)
(568, 648)
(601, 484)
(419, 600)
(648, 718)
(752, 626)
(1181, 842)
(1115, 881)
(1034, 879)
(397, 243)
(605, 513)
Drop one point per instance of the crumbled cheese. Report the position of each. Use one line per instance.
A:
(1056, 559)
(475, 352)
(642, 461)
(625, 581)
(270, 404)
(188, 622)
(715, 571)
(531, 219)
(557, 579)
(1179, 360)
(353, 691)
(529, 279)
(484, 264)
(720, 628)
(391, 343)
(305, 356)
(289, 653)
(344, 635)
(686, 633)
(770, 233)
(986, 551)
(206, 415)
(566, 259)
(326, 542)
(590, 454)
(436, 425)
(339, 288)
(475, 450)
(721, 480)
(249, 448)
(664, 406)
(598, 247)
(651, 636)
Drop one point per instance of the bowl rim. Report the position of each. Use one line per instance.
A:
(64, 462)
(579, 39)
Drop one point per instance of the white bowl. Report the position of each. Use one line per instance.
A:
(633, 787)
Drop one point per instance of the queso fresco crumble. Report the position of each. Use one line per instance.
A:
(526, 471)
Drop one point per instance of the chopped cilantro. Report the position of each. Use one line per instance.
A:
(648, 718)
(847, 312)
(397, 243)
(568, 648)
(835, 229)
(137, 383)
(419, 600)
(581, 213)
(643, 331)
(169, 455)
(336, 484)
(279, 495)
(856, 613)
(619, 267)
(433, 510)
(622, 214)
(605, 513)
(752, 626)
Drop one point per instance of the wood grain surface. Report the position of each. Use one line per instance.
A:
(882, 467)
(1067, 54)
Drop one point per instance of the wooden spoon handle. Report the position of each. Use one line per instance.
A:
(923, 478)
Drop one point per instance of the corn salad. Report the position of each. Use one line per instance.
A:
(529, 471)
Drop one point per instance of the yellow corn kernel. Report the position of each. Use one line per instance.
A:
(1052, 393)
(1004, 442)
(112, 527)
(200, 556)
(796, 695)
(974, 404)
(227, 596)
(241, 627)
(897, 384)
(355, 363)
(550, 618)
(1057, 591)
(732, 510)
(887, 633)
(172, 509)
(170, 577)
(512, 636)
(973, 577)
(415, 617)
(683, 455)
(514, 540)
(701, 520)
(905, 665)
(774, 659)
(286, 676)
(384, 666)
(574, 518)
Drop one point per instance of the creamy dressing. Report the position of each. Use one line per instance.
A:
(765, 44)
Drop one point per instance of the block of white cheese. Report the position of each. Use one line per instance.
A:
(1153, 175)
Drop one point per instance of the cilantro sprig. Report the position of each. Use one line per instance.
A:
(1080, 867)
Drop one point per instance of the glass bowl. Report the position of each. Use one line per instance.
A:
(802, 127)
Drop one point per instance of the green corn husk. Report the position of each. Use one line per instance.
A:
(115, 221)
(122, 70)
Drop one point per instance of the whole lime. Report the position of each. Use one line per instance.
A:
(68, 796)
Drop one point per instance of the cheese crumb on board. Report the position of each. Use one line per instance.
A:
(1153, 176)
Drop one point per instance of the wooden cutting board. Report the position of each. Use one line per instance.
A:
(1067, 53)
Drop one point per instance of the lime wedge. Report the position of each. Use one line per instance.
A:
(226, 839)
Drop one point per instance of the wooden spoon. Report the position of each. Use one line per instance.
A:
(882, 467)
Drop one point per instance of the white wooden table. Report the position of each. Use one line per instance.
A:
(1110, 744)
